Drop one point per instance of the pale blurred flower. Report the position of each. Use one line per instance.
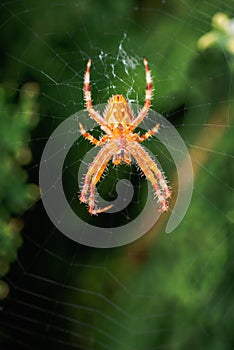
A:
(221, 35)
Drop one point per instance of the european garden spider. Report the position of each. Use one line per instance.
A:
(120, 143)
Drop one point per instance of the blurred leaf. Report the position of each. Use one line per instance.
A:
(16, 195)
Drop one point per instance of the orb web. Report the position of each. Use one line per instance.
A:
(140, 296)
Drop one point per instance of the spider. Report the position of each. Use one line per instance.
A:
(120, 143)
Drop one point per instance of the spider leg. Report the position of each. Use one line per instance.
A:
(96, 177)
(152, 173)
(148, 134)
(161, 179)
(93, 176)
(95, 163)
(91, 138)
(148, 97)
(88, 101)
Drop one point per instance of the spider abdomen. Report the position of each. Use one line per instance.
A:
(118, 111)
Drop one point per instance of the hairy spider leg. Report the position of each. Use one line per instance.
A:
(96, 177)
(148, 134)
(149, 174)
(147, 159)
(148, 97)
(91, 138)
(88, 101)
(96, 169)
(91, 170)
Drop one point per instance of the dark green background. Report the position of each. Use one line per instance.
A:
(163, 291)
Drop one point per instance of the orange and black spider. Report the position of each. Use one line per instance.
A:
(120, 143)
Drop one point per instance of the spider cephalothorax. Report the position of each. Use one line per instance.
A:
(120, 143)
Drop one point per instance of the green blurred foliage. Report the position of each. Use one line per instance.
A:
(221, 35)
(176, 297)
(57, 49)
(173, 299)
(180, 294)
(176, 293)
(16, 195)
